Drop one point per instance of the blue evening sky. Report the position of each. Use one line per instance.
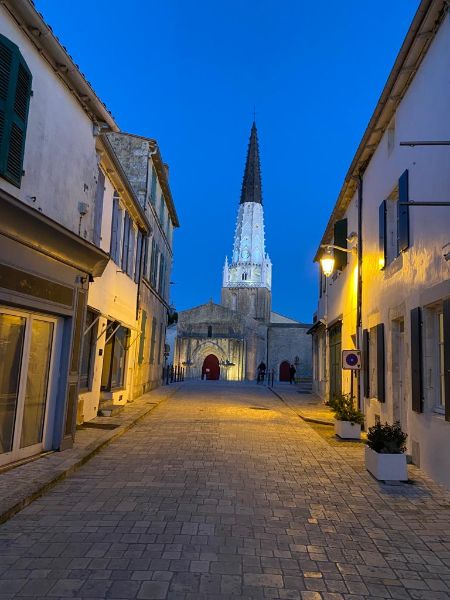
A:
(189, 75)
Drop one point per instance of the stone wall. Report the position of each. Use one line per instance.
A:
(285, 343)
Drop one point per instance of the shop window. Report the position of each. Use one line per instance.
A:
(115, 354)
(15, 93)
(88, 352)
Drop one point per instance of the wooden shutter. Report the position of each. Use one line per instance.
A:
(15, 93)
(340, 239)
(153, 187)
(416, 360)
(153, 340)
(145, 257)
(98, 209)
(381, 388)
(382, 211)
(446, 311)
(403, 213)
(142, 338)
(366, 369)
(115, 231)
(131, 245)
(126, 242)
(139, 249)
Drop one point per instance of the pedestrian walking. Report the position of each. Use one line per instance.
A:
(261, 372)
(292, 372)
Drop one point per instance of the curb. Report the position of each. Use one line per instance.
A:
(121, 430)
(306, 419)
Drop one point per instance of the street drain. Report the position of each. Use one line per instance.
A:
(89, 425)
(258, 408)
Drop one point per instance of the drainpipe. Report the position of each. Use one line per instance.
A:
(359, 287)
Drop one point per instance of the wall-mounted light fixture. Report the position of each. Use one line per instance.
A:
(327, 259)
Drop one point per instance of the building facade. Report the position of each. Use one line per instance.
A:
(76, 298)
(391, 298)
(229, 341)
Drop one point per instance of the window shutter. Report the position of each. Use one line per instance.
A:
(145, 257)
(115, 230)
(382, 233)
(446, 311)
(98, 209)
(15, 93)
(153, 188)
(126, 242)
(366, 369)
(142, 338)
(403, 213)
(340, 239)
(152, 341)
(131, 247)
(416, 360)
(381, 390)
(139, 248)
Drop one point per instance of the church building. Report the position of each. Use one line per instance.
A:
(229, 340)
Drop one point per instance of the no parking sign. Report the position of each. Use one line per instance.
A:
(351, 359)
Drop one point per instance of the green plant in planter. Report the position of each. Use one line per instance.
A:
(387, 439)
(344, 409)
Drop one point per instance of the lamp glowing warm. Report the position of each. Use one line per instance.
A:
(327, 262)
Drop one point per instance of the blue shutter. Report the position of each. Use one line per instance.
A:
(115, 230)
(142, 338)
(382, 211)
(131, 245)
(366, 364)
(153, 187)
(126, 242)
(15, 93)
(403, 213)
(381, 384)
(416, 361)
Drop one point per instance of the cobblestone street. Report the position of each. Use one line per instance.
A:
(223, 491)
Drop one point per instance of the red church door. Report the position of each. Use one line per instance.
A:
(211, 367)
(284, 371)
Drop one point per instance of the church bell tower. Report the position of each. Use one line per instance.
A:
(247, 279)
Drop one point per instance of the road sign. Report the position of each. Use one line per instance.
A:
(351, 359)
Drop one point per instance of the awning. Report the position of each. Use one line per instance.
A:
(317, 325)
(30, 227)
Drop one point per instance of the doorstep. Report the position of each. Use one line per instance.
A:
(22, 484)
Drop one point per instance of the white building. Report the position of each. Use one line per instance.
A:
(396, 305)
(84, 259)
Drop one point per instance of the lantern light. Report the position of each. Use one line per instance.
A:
(327, 262)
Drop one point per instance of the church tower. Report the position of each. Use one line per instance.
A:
(247, 279)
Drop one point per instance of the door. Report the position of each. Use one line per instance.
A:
(398, 372)
(211, 367)
(27, 350)
(335, 343)
(284, 371)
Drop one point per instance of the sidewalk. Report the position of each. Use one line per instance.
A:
(22, 484)
(307, 406)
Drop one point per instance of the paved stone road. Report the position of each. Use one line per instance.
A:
(211, 496)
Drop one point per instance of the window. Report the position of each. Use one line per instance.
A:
(440, 401)
(15, 93)
(394, 223)
(116, 230)
(153, 341)
(209, 331)
(154, 264)
(114, 357)
(153, 187)
(340, 239)
(162, 275)
(142, 337)
(139, 249)
(88, 352)
(162, 210)
(244, 276)
(376, 363)
(146, 263)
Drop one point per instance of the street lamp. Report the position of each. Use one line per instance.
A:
(327, 259)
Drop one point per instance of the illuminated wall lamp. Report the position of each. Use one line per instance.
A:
(327, 259)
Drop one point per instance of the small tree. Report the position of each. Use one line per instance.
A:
(387, 439)
(343, 406)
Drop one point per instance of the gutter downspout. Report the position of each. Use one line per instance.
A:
(359, 286)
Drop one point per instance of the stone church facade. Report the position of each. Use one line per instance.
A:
(229, 340)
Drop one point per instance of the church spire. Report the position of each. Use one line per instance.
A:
(251, 184)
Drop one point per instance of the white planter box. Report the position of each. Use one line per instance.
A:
(386, 467)
(347, 430)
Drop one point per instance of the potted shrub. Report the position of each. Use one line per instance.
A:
(385, 452)
(348, 419)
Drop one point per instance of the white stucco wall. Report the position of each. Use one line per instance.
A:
(420, 275)
(59, 161)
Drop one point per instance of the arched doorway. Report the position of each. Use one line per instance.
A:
(284, 371)
(211, 367)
